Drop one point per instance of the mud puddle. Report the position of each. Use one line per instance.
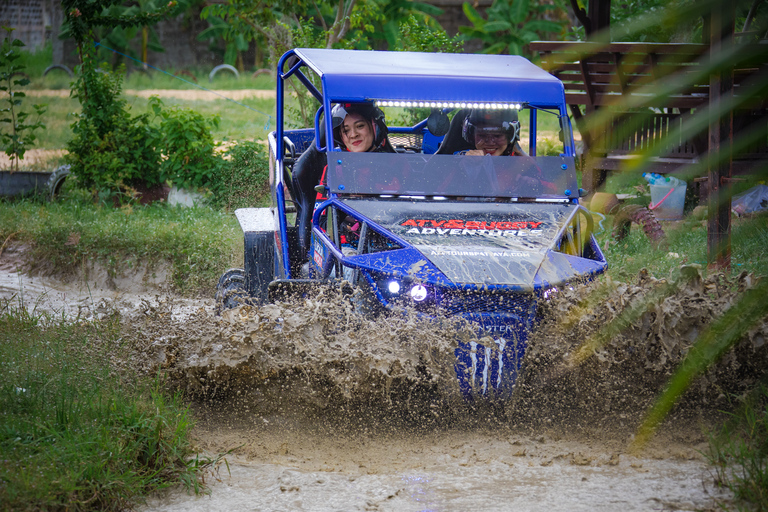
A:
(322, 409)
(91, 293)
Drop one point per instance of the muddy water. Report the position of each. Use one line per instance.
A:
(322, 409)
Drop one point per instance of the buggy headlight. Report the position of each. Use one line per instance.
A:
(419, 292)
(393, 287)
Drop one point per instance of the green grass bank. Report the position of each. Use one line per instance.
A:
(77, 431)
(197, 243)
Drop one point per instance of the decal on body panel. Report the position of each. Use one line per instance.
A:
(455, 227)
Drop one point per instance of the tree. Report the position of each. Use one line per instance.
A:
(21, 133)
(111, 151)
(512, 24)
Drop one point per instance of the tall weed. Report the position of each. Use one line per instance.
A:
(739, 452)
(76, 431)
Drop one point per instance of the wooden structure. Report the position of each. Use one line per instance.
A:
(645, 92)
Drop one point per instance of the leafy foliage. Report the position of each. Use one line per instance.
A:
(20, 134)
(359, 24)
(189, 160)
(511, 25)
(111, 151)
(82, 17)
(418, 36)
(721, 335)
(387, 28)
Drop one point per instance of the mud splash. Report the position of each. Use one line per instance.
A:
(324, 409)
(311, 356)
(617, 379)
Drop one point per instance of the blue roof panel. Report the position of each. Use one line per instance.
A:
(353, 75)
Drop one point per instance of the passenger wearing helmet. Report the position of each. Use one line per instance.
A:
(357, 128)
(360, 127)
(492, 132)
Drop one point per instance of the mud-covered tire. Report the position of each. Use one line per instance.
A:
(230, 290)
(56, 181)
(641, 216)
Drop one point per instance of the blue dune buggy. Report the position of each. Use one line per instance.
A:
(425, 226)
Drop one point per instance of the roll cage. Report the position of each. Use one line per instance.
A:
(442, 82)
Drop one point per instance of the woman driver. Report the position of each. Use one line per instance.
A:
(496, 133)
(360, 127)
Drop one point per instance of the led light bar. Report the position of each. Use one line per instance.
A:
(450, 104)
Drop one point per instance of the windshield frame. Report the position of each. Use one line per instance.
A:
(449, 176)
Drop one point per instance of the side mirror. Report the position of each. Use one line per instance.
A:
(438, 123)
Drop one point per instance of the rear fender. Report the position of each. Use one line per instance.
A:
(258, 225)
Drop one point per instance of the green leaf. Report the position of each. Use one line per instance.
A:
(496, 48)
(721, 335)
(472, 15)
(432, 10)
(496, 26)
(519, 10)
(544, 26)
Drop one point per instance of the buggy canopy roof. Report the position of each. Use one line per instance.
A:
(354, 75)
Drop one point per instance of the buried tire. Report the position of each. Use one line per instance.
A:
(643, 217)
(56, 181)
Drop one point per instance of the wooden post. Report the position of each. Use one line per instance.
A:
(720, 142)
(599, 30)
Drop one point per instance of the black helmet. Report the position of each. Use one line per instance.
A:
(367, 111)
(504, 120)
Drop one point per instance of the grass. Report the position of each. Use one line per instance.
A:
(237, 122)
(739, 452)
(686, 240)
(199, 243)
(76, 433)
(37, 62)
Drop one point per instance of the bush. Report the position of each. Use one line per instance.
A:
(189, 160)
(111, 152)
